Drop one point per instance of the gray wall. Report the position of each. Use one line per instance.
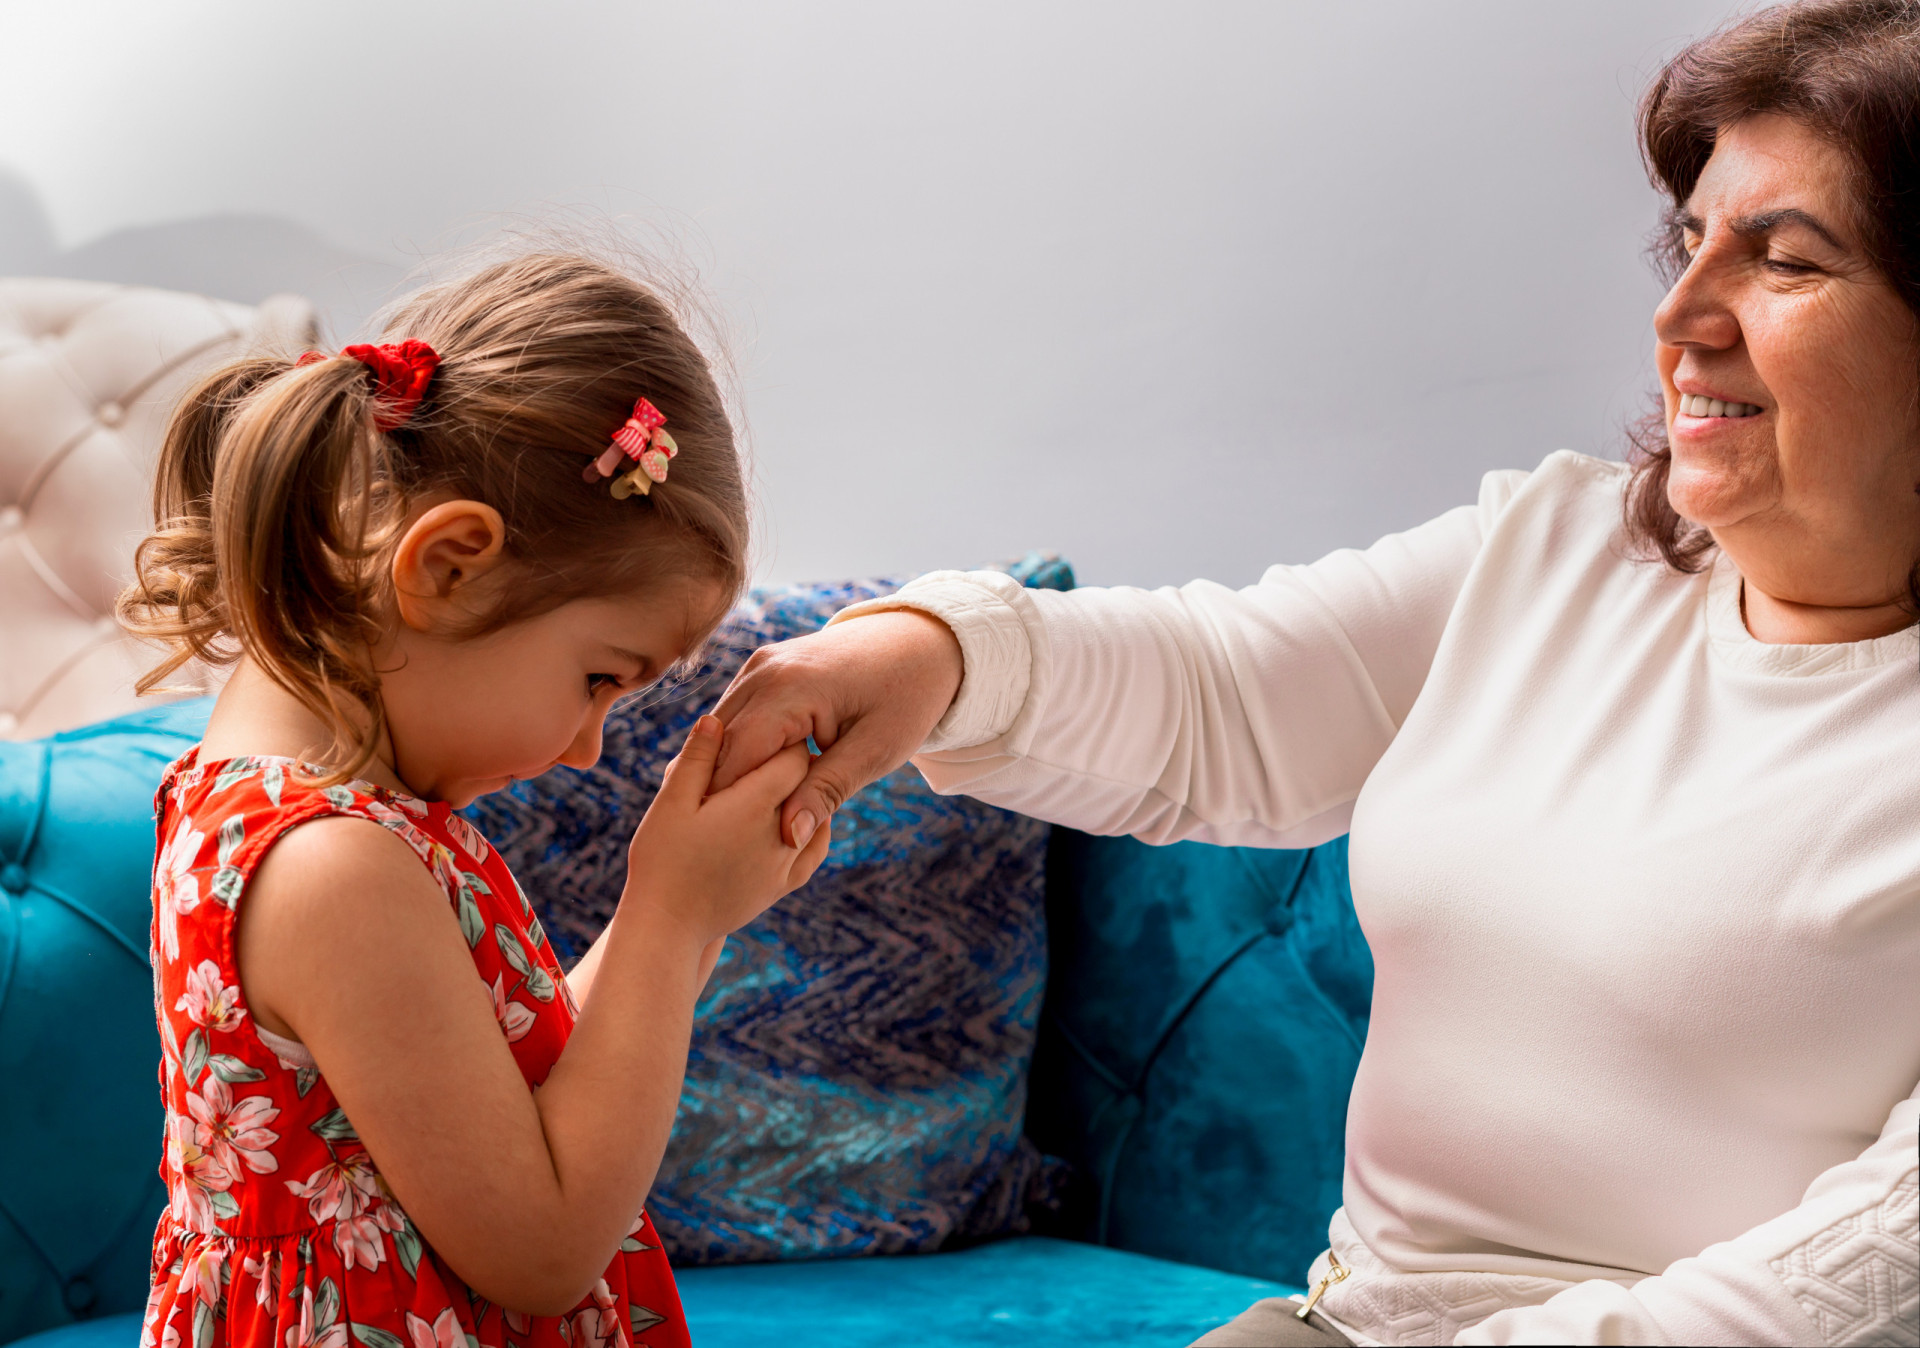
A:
(1175, 289)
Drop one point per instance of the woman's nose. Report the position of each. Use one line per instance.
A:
(1696, 312)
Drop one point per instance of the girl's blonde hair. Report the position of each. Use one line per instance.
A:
(276, 500)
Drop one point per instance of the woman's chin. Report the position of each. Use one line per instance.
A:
(1713, 494)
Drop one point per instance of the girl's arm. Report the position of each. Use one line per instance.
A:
(348, 943)
(580, 977)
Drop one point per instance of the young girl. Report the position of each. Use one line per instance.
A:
(391, 1121)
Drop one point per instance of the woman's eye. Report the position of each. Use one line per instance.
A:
(1785, 268)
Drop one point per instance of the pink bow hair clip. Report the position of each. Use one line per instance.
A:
(645, 442)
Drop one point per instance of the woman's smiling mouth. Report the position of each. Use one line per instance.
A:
(1699, 405)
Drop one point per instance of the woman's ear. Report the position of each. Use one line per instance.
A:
(440, 557)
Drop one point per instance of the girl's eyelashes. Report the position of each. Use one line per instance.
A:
(595, 682)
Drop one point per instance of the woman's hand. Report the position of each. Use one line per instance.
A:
(712, 860)
(868, 691)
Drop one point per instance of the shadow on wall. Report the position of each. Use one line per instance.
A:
(231, 257)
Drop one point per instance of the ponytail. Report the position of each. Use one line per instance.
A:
(269, 515)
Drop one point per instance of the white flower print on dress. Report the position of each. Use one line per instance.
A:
(234, 1133)
(320, 1325)
(266, 1271)
(349, 1192)
(175, 888)
(199, 1192)
(362, 1240)
(468, 837)
(345, 1186)
(515, 1019)
(208, 1001)
(596, 1327)
(150, 1321)
(444, 1332)
(401, 826)
(205, 1273)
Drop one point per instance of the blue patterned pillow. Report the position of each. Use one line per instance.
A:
(858, 1077)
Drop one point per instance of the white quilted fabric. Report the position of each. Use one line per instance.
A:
(88, 375)
(1862, 1275)
(1415, 1308)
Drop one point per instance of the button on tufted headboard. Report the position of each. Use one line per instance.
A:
(88, 375)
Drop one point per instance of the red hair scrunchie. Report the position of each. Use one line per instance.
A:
(400, 373)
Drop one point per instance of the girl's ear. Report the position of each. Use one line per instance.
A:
(440, 556)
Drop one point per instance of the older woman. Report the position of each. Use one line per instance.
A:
(1630, 756)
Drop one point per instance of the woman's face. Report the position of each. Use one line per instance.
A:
(1791, 373)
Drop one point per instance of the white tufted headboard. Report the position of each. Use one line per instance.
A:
(88, 375)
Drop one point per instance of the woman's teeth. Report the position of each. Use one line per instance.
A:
(1699, 405)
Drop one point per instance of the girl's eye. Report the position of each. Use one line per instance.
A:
(595, 682)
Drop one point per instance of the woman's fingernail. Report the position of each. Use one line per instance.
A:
(803, 826)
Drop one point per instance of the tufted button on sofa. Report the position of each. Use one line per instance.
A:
(88, 375)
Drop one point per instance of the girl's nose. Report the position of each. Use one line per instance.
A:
(584, 752)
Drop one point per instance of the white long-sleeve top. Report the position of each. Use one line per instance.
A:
(1643, 895)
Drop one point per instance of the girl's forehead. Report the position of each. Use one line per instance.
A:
(676, 611)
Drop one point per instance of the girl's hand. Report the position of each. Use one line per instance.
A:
(868, 690)
(712, 861)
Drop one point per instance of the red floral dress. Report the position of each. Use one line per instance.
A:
(280, 1232)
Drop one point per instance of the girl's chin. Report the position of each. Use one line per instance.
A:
(459, 795)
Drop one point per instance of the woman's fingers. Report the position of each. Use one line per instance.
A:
(762, 717)
(864, 753)
(809, 858)
(868, 691)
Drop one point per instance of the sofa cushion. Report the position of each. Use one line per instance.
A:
(1206, 1008)
(858, 1071)
(79, 1109)
(89, 374)
(1015, 1293)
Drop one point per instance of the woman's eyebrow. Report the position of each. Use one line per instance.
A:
(1761, 225)
(1757, 226)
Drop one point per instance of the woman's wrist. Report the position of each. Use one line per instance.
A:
(922, 644)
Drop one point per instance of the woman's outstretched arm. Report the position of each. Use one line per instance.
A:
(1246, 716)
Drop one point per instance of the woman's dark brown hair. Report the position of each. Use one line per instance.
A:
(1847, 70)
(276, 500)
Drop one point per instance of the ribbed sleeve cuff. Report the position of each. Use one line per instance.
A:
(986, 611)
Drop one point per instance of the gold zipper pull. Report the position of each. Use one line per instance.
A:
(1336, 1272)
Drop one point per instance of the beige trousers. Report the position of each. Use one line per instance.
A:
(1273, 1323)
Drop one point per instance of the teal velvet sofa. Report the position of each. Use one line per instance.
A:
(1204, 1012)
